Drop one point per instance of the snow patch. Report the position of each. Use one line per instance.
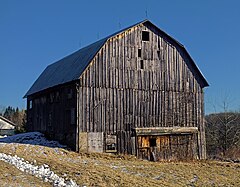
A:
(44, 172)
(34, 138)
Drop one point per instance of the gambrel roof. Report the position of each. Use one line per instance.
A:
(71, 67)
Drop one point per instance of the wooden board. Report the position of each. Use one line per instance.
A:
(167, 147)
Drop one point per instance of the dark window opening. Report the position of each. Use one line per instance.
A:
(111, 147)
(139, 52)
(153, 142)
(145, 36)
(141, 64)
(30, 104)
(158, 54)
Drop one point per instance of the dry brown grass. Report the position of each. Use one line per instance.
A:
(10, 176)
(111, 170)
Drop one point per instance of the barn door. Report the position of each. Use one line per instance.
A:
(143, 147)
(147, 147)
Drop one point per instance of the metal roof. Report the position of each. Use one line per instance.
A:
(7, 121)
(66, 70)
(71, 67)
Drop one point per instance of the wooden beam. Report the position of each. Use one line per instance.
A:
(165, 130)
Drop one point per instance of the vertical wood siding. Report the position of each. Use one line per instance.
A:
(53, 113)
(116, 95)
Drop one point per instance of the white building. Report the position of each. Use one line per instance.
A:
(6, 127)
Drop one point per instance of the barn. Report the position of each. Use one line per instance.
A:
(137, 91)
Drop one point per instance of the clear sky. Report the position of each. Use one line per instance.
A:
(34, 34)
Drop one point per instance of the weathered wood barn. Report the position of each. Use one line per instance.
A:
(137, 92)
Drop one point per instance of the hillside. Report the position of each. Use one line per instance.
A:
(114, 170)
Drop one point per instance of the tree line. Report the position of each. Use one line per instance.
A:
(18, 117)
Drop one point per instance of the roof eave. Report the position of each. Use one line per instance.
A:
(8, 121)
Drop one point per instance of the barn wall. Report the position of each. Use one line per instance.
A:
(167, 147)
(134, 83)
(53, 112)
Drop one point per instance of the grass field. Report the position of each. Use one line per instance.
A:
(10, 176)
(117, 170)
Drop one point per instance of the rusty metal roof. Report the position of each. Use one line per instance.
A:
(71, 67)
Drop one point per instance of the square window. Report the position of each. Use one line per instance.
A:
(152, 142)
(145, 36)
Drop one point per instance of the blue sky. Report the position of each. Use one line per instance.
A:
(34, 34)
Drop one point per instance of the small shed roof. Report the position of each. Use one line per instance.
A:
(6, 124)
(71, 67)
(165, 130)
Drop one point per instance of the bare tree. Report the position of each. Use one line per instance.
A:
(222, 131)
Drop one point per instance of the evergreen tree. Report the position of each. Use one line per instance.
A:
(9, 112)
(18, 117)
